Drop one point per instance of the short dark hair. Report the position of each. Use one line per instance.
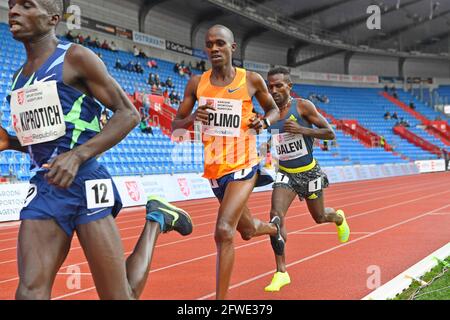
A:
(280, 70)
(53, 7)
(228, 32)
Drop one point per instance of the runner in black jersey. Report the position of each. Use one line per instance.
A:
(299, 174)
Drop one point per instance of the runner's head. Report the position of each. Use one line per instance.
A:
(33, 19)
(220, 45)
(280, 85)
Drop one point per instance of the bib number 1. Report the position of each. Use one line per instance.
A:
(99, 194)
(315, 185)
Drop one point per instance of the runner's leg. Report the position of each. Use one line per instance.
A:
(42, 248)
(230, 211)
(321, 214)
(114, 278)
(282, 199)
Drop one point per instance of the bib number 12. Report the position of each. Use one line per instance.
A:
(99, 194)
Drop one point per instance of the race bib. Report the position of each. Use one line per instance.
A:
(241, 174)
(315, 185)
(289, 146)
(37, 114)
(99, 193)
(226, 120)
(282, 178)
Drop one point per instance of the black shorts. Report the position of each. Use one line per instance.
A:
(307, 185)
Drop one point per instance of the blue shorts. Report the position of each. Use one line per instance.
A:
(69, 207)
(220, 185)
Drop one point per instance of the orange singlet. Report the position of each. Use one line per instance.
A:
(224, 155)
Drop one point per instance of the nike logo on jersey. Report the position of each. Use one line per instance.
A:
(36, 81)
(233, 90)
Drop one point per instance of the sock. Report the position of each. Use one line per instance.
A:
(156, 216)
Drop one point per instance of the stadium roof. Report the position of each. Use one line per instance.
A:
(406, 25)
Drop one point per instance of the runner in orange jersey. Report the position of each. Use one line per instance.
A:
(229, 129)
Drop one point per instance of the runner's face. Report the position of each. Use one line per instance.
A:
(28, 19)
(219, 48)
(279, 88)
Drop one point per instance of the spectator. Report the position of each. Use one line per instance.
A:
(411, 105)
(113, 47)
(166, 97)
(130, 66)
(395, 95)
(99, 54)
(69, 36)
(393, 89)
(386, 89)
(81, 39)
(105, 45)
(153, 64)
(169, 83)
(87, 40)
(177, 68)
(187, 71)
(104, 118)
(96, 43)
(151, 79)
(325, 145)
(382, 142)
(395, 116)
(387, 115)
(142, 54)
(157, 80)
(144, 126)
(138, 68)
(203, 66)
(446, 157)
(118, 65)
(136, 51)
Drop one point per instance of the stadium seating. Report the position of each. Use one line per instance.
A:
(145, 154)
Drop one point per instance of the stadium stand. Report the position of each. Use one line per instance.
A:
(145, 154)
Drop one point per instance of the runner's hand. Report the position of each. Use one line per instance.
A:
(63, 169)
(201, 114)
(257, 124)
(291, 126)
(4, 139)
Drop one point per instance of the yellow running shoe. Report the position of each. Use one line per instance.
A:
(279, 280)
(343, 230)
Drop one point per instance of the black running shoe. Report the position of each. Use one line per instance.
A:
(277, 241)
(174, 218)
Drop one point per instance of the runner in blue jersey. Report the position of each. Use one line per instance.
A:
(299, 174)
(55, 115)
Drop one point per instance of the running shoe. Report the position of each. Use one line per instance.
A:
(168, 216)
(279, 280)
(343, 230)
(277, 241)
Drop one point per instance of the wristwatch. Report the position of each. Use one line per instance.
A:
(266, 122)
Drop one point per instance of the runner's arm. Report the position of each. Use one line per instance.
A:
(92, 73)
(272, 113)
(8, 142)
(185, 118)
(309, 111)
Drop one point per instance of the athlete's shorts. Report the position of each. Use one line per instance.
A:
(307, 185)
(220, 185)
(69, 207)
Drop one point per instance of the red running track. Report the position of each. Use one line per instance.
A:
(395, 222)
